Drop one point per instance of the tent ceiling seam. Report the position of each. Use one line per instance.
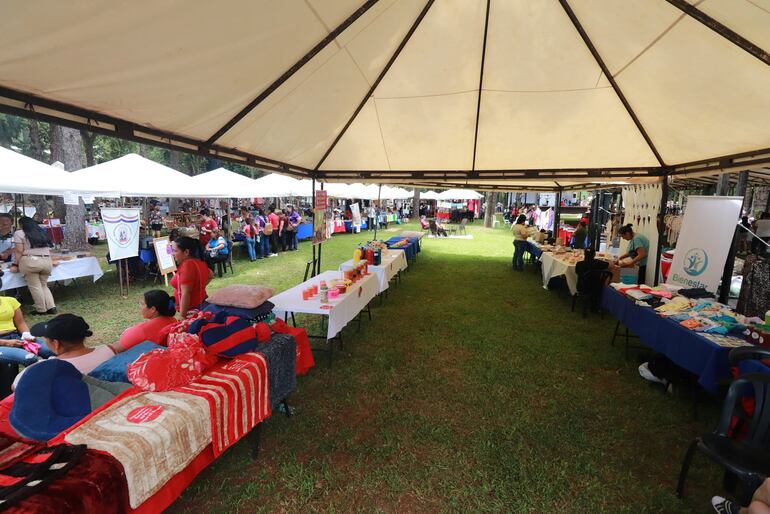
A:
(382, 74)
(595, 53)
(733, 37)
(382, 136)
(292, 70)
(649, 46)
(758, 6)
(481, 85)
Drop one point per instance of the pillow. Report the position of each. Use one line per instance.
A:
(257, 314)
(241, 295)
(115, 369)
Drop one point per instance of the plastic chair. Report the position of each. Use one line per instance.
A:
(461, 227)
(748, 459)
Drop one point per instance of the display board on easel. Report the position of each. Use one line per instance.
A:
(164, 252)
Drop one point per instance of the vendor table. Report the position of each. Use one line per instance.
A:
(555, 265)
(686, 348)
(393, 262)
(349, 225)
(339, 312)
(65, 270)
(305, 231)
(411, 250)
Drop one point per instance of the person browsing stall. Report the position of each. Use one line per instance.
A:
(6, 237)
(208, 225)
(638, 250)
(33, 260)
(156, 221)
(157, 309)
(581, 233)
(191, 277)
(520, 235)
(293, 220)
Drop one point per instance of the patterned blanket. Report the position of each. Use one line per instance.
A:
(237, 394)
(153, 435)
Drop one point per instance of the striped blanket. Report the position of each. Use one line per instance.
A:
(237, 394)
(153, 435)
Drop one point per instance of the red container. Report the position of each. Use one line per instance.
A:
(370, 256)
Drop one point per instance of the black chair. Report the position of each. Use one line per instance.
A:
(748, 459)
(589, 286)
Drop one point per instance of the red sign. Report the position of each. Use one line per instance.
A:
(144, 414)
(320, 200)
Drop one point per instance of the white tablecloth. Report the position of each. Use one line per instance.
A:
(65, 270)
(393, 261)
(554, 267)
(343, 309)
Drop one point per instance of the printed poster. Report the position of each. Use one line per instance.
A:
(707, 233)
(122, 229)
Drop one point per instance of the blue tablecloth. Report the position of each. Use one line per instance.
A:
(411, 250)
(684, 347)
(752, 366)
(533, 249)
(305, 231)
(349, 225)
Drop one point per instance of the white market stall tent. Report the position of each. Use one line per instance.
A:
(429, 195)
(223, 183)
(459, 194)
(24, 175)
(134, 175)
(274, 185)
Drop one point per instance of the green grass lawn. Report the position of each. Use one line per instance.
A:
(472, 390)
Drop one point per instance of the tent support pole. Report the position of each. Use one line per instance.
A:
(556, 215)
(376, 218)
(313, 273)
(661, 227)
(320, 245)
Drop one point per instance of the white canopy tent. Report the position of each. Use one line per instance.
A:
(274, 185)
(459, 194)
(134, 175)
(222, 183)
(429, 195)
(24, 175)
(436, 93)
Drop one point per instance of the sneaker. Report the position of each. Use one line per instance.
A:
(645, 373)
(273, 255)
(52, 310)
(722, 506)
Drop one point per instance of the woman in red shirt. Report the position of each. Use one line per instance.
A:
(158, 311)
(191, 277)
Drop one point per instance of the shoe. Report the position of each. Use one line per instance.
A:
(36, 313)
(273, 255)
(52, 310)
(722, 506)
(645, 373)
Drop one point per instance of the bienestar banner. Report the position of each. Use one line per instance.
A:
(704, 241)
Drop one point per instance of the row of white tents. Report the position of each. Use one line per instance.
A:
(135, 176)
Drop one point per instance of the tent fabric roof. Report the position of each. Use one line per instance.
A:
(134, 175)
(407, 91)
(24, 175)
(223, 183)
(274, 185)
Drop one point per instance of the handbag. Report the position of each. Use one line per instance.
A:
(268, 229)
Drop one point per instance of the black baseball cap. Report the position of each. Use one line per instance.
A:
(65, 327)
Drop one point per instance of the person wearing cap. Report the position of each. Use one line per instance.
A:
(17, 345)
(66, 336)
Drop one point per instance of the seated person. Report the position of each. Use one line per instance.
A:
(424, 223)
(760, 502)
(590, 283)
(216, 249)
(66, 336)
(158, 310)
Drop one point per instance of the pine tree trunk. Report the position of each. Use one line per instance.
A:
(489, 212)
(416, 204)
(88, 146)
(71, 149)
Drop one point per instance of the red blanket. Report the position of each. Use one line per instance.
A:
(237, 393)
